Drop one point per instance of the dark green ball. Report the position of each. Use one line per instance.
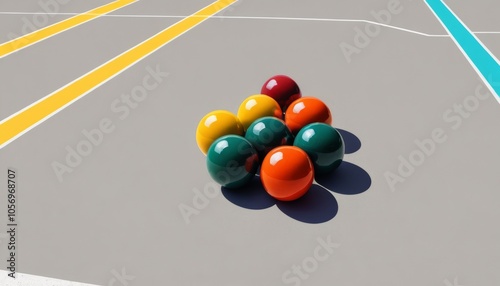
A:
(323, 144)
(232, 161)
(267, 133)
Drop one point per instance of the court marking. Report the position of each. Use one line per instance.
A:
(28, 279)
(264, 18)
(31, 116)
(486, 65)
(39, 35)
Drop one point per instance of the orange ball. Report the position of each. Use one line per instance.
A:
(306, 110)
(287, 173)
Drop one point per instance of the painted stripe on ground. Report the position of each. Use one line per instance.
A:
(24, 120)
(22, 42)
(478, 55)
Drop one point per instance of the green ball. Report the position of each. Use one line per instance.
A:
(323, 144)
(232, 161)
(267, 133)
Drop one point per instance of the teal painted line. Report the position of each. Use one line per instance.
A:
(478, 55)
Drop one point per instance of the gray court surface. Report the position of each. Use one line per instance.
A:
(415, 203)
(492, 42)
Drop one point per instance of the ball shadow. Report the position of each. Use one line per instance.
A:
(252, 196)
(351, 141)
(316, 206)
(348, 179)
(319, 204)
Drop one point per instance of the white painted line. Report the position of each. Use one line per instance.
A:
(262, 18)
(33, 280)
(63, 25)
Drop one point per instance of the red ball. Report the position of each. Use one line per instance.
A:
(283, 89)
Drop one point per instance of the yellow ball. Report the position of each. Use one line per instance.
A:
(214, 125)
(257, 106)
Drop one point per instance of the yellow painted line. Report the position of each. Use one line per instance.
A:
(24, 120)
(49, 31)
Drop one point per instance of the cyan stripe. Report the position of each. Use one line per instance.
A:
(484, 61)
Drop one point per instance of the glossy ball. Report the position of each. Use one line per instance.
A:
(257, 106)
(214, 125)
(287, 173)
(283, 89)
(306, 110)
(266, 133)
(323, 144)
(232, 161)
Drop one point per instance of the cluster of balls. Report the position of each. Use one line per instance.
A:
(288, 136)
